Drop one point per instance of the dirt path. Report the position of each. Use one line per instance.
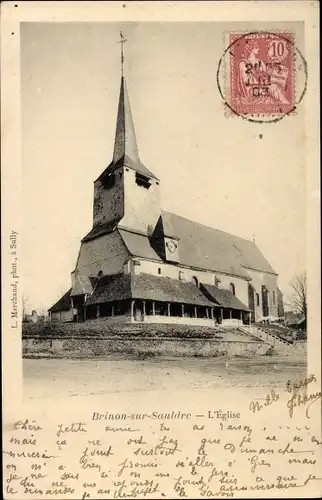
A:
(44, 378)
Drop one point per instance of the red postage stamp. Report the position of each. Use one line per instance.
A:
(261, 73)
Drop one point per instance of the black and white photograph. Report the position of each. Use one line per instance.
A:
(188, 260)
(158, 258)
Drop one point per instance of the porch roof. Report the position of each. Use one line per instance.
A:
(147, 287)
(222, 297)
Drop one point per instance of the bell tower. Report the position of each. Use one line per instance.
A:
(126, 194)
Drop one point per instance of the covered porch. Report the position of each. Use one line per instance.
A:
(231, 310)
(151, 299)
(152, 311)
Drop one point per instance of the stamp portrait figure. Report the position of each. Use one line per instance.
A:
(261, 74)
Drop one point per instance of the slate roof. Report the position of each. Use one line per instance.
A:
(223, 297)
(148, 287)
(83, 284)
(126, 151)
(125, 161)
(208, 248)
(63, 304)
(99, 230)
(200, 246)
(138, 245)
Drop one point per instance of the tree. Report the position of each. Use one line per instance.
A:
(299, 295)
(25, 304)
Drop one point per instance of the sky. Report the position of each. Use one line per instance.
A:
(244, 178)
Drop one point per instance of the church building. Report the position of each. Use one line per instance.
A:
(140, 264)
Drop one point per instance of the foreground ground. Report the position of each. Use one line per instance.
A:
(67, 378)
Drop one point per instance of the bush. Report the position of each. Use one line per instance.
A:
(106, 328)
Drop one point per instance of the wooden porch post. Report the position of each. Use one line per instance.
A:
(153, 307)
(112, 311)
(97, 311)
(132, 308)
(169, 309)
(230, 314)
(222, 314)
(207, 312)
(212, 312)
(182, 310)
(144, 312)
(196, 312)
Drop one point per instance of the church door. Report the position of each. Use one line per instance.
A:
(251, 302)
(138, 310)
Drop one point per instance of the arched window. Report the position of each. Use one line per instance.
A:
(257, 299)
(232, 288)
(100, 274)
(274, 298)
(217, 281)
(195, 281)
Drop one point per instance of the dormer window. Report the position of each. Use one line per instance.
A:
(109, 181)
(142, 180)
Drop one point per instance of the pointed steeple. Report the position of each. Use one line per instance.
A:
(125, 145)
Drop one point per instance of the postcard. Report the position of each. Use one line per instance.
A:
(161, 256)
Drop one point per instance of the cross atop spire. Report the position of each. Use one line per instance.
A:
(122, 42)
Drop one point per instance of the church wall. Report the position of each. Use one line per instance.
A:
(141, 206)
(207, 277)
(62, 316)
(108, 205)
(270, 281)
(106, 253)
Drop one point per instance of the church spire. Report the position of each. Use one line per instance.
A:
(125, 145)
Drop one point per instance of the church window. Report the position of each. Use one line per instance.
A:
(142, 180)
(159, 270)
(109, 181)
(100, 273)
(195, 281)
(232, 288)
(181, 275)
(274, 298)
(257, 299)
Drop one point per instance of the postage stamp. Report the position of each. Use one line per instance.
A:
(261, 73)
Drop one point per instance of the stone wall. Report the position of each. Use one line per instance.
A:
(89, 347)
